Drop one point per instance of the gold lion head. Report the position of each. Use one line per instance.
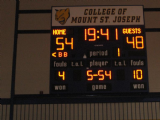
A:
(62, 15)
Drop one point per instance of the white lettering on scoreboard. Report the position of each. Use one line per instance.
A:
(97, 15)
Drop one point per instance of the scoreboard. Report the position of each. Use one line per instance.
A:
(98, 50)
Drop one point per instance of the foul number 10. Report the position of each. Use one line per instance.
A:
(138, 74)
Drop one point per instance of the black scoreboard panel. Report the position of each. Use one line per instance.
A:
(98, 59)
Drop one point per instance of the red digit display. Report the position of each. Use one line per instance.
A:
(60, 54)
(65, 54)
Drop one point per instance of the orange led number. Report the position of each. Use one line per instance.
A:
(116, 30)
(130, 42)
(60, 43)
(138, 74)
(108, 74)
(107, 33)
(69, 43)
(91, 76)
(62, 54)
(91, 34)
(102, 75)
(137, 42)
(85, 34)
(61, 74)
(119, 52)
(65, 54)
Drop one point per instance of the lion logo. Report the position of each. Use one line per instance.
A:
(62, 15)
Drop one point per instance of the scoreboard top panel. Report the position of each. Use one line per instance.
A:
(98, 50)
(97, 15)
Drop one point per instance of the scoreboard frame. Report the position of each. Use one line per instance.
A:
(57, 87)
